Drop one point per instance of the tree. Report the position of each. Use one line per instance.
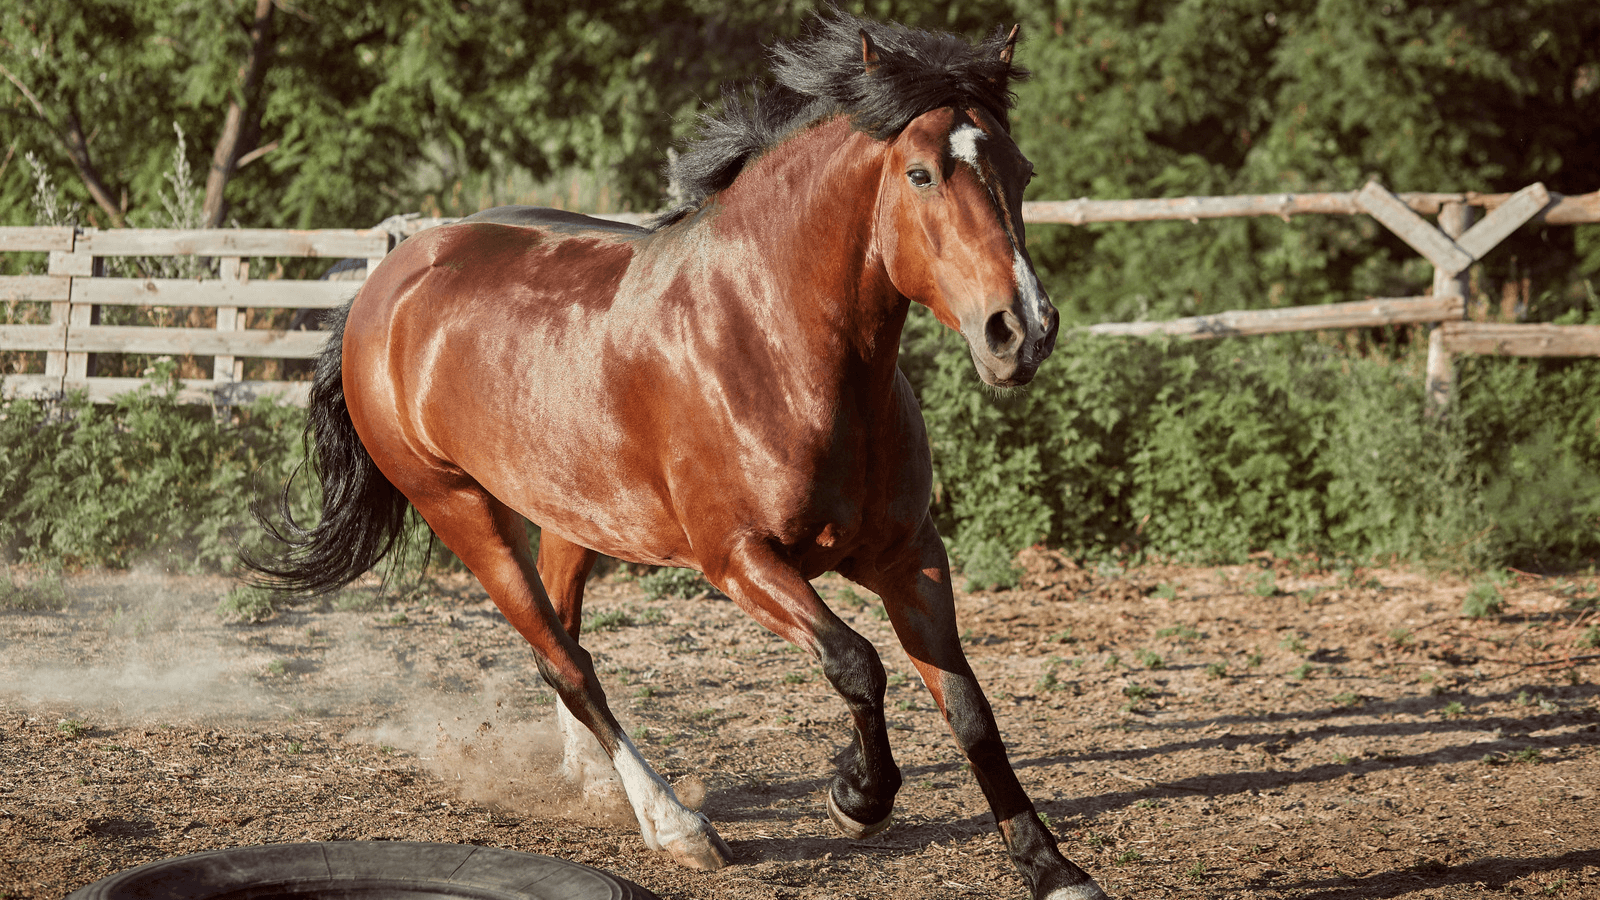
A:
(1177, 97)
(344, 111)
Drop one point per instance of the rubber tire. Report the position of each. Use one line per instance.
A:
(362, 870)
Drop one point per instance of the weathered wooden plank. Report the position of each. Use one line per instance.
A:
(1575, 209)
(1453, 221)
(34, 287)
(1496, 339)
(1357, 314)
(1440, 374)
(213, 292)
(233, 270)
(77, 264)
(33, 337)
(196, 341)
(30, 387)
(22, 238)
(55, 361)
(1412, 228)
(1083, 211)
(1504, 219)
(1579, 209)
(232, 393)
(233, 242)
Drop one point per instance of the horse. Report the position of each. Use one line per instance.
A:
(719, 391)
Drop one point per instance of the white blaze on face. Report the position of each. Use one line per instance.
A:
(1028, 289)
(964, 143)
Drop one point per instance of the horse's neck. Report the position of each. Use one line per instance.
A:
(808, 208)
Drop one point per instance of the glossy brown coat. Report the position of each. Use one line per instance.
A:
(721, 394)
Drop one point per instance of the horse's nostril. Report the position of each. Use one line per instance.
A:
(1003, 333)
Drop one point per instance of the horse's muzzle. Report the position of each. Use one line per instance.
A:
(1010, 350)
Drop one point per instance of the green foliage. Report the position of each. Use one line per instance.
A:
(1209, 450)
(668, 583)
(607, 620)
(107, 485)
(43, 591)
(371, 109)
(1181, 97)
(246, 603)
(1198, 450)
(1483, 600)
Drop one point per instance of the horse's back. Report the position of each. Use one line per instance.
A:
(544, 217)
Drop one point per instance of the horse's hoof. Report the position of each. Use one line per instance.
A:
(706, 852)
(852, 829)
(1085, 891)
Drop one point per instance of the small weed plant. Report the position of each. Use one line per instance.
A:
(667, 583)
(607, 620)
(1484, 600)
(1264, 584)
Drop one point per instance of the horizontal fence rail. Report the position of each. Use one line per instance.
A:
(1562, 210)
(76, 289)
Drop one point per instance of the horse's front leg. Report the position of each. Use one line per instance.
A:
(914, 582)
(861, 797)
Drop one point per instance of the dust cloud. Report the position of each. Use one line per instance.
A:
(455, 689)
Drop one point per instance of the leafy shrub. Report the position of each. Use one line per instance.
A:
(1208, 450)
(1200, 450)
(106, 485)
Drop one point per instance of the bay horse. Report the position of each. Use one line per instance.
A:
(719, 391)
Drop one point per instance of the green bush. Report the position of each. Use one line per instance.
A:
(83, 484)
(1208, 450)
(1195, 450)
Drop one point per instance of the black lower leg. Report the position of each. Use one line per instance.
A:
(867, 779)
(1033, 850)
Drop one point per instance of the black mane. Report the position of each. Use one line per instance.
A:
(823, 74)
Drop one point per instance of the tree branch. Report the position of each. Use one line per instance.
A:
(241, 127)
(72, 141)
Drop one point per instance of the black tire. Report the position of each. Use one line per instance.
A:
(363, 870)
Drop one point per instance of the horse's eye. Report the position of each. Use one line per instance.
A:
(920, 177)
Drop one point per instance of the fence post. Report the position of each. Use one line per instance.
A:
(225, 369)
(63, 263)
(76, 366)
(1454, 218)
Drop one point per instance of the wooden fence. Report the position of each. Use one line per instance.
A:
(1451, 248)
(76, 287)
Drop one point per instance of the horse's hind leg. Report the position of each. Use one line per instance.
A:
(564, 568)
(492, 540)
(914, 583)
(861, 797)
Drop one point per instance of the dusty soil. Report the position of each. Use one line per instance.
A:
(1188, 733)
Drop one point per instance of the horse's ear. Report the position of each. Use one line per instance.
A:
(869, 53)
(1011, 44)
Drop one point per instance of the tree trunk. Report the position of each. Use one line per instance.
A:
(241, 128)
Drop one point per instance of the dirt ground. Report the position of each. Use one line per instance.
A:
(1266, 731)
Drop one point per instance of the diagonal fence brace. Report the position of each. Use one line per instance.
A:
(1450, 255)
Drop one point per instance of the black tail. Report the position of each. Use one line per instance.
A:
(363, 515)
